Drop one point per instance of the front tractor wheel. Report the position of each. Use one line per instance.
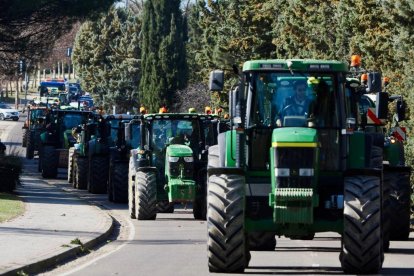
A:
(145, 195)
(226, 241)
(362, 250)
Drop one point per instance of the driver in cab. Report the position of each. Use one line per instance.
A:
(296, 105)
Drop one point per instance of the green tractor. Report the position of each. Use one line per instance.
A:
(57, 138)
(125, 132)
(90, 156)
(170, 165)
(396, 175)
(296, 161)
(32, 128)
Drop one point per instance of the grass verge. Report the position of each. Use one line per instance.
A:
(11, 206)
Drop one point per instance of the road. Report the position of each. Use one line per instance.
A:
(175, 244)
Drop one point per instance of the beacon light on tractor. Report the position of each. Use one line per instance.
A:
(297, 160)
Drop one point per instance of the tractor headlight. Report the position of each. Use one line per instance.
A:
(282, 172)
(173, 159)
(188, 159)
(305, 172)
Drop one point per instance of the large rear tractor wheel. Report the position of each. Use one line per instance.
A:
(119, 182)
(145, 195)
(262, 241)
(362, 238)
(24, 137)
(49, 165)
(70, 164)
(400, 191)
(30, 145)
(98, 174)
(81, 172)
(226, 240)
(200, 201)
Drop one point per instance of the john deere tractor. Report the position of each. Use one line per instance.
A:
(32, 128)
(296, 161)
(91, 155)
(57, 139)
(125, 132)
(170, 164)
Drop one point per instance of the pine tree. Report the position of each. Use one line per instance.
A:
(163, 56)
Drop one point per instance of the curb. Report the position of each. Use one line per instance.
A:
(41, 266)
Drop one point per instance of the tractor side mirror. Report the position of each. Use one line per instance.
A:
(216, 81)
(382, 105)
(374, 82)
(401, 110)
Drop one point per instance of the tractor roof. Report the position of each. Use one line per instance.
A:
(305, 65)
(179, 116)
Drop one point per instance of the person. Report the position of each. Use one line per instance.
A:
(296, 105)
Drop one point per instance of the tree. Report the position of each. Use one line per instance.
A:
(163, 56)
(28, 28)
(106, 56)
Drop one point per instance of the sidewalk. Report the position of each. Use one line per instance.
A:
(50, 229)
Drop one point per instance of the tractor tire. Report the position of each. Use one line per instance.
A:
(362, 250)
(226, 240)
(262, 241)
(200, 201)
(70, 164)
(50, 160)
(131, 189)
(164, 206)
(145, 195)
(399, 197)
(81, 172)
(24, 137)
(213, 157)
(98, 174)
(109, 189)
(119, 182)
(30, 145)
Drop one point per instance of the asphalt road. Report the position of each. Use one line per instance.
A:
(175, 244)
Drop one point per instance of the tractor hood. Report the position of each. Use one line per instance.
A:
(294, 136)
(179, 150)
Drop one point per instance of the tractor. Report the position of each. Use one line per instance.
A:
(89, 160)
(296, 161)
(57, 138)
(125, 132)
(33, 126)
(169, 166)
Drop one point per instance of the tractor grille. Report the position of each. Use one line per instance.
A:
(294, 159)
(175, 168)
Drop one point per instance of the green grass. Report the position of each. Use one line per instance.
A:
(11, 206)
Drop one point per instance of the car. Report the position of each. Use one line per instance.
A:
(6, 112)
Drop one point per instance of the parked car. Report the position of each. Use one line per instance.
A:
(6, 112)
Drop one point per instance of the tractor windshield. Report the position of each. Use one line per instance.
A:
(175, 131)
(70, 121)
(302, 100)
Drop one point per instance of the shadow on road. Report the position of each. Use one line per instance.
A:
(288, 270)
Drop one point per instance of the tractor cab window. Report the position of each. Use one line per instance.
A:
(298, 100)
(135, 136)
(70, 121)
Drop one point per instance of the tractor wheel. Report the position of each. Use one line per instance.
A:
(262, 241)
(145, 195)
(164, 206)
(213, 157)
(81, 172)
(24, 137)
(39, 161)
(70, 164)
(98, 174)
(119, 182)
(200, 201)
(109, 189)
(131, 189)
(226, 240)
(399, 205)
(30, 145)
(50, 160)
(362, 238)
